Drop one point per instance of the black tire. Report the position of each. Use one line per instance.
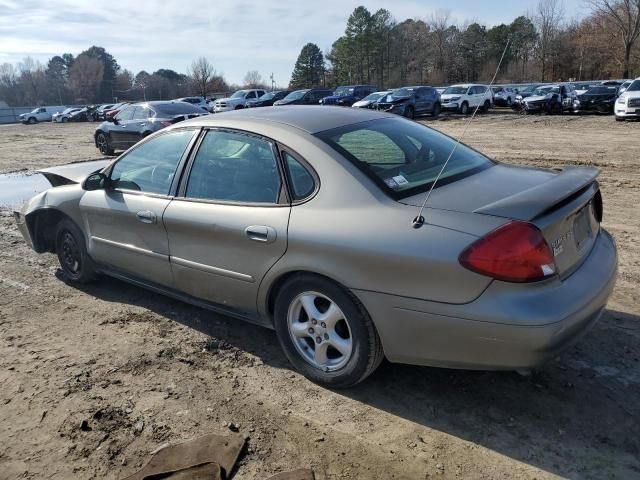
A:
(366, 351)
(509, 102)
(409, 112)
(65, 119)
(436, 110)
(32, 120)
(74, 260)
(486, 106)
(239, 107)
(464, 108)
(618, 119)
(104, 144)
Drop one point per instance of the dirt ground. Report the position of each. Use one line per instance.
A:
(95, 378)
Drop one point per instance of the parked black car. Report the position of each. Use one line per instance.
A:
(268, 99)
(135, 121)
(348, 95)
(600, 99)
(309, 96)
(412, 101)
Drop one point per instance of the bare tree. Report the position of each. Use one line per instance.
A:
(625, 16)
(85, 76)
(202, 72)
(253, 79)
(548, 18)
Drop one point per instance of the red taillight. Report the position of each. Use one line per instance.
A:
(515, 252)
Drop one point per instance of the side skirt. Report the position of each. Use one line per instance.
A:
(253, 318)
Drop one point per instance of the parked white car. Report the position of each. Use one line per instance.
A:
(236, 101)
(628, 104)
(464, 98)
(63, 117)
(196, 102)
(41, 114)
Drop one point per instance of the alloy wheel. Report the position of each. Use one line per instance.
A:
(102, 144)
(320, 331)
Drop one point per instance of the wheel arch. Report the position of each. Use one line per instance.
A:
(268, 305)
(42, 224)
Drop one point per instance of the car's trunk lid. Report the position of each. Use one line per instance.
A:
(565, 204)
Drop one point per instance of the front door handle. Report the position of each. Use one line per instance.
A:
(261, 233)
(145, 216)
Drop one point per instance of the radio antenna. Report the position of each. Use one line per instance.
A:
(418, 221)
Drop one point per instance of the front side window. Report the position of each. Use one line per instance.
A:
(125, 114)
(234, 167)
(150, 167)
(403, 158)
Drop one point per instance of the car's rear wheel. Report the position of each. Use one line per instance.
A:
(409, 112)
(72, 253)
(325, 333)
(464, 108)
(103, 144)
(509, 102)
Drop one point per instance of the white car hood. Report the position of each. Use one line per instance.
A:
(362, 103)
(231, 100)
(448, 96)
(627, 94)
(535, 98)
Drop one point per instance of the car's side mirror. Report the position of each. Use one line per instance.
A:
(95, 181)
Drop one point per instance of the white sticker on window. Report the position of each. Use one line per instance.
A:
(400, 180)
(391, 183)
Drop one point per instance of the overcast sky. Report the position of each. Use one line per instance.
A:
(236, 36)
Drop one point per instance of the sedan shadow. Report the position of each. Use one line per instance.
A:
(577, 416)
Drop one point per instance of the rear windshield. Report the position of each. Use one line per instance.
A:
(178, 108)
(402, 157)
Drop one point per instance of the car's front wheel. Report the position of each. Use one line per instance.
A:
(409, 112)
(103, 144)
(464, 108)
(325, 333)
(72, 253)
(32, 120)
(436, 110)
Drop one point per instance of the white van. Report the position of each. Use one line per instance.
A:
(41, 114)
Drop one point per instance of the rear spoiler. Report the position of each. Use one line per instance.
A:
(72, 172)
(529, 204)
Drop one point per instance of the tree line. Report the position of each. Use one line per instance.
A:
(543, 45)
(94, 76)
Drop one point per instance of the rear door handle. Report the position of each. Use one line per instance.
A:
(261, 233)
(145, 216)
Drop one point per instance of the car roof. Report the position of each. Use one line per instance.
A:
(311, 119)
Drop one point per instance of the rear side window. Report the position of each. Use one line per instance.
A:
(234, 167)
(151, 166)
(302, 182)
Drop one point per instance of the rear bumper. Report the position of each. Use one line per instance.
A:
(509, 326)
